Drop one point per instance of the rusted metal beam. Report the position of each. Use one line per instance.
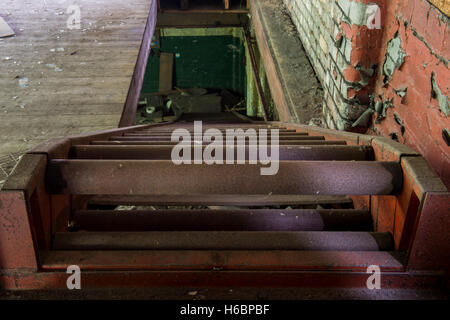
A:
(200, 19)
(222, 279)
(221, 200)
(223, 132)
(224, 240)
(158, 177)
(209, 125)
(226, 260)
(17, 242)
(320, 152)
(389, 150)
(329, 134)
(430, 244)
(130, 107)
(59, 148)
(25, 218)
(256, 77)
(277, 89)
(156, 143)
(168, 138)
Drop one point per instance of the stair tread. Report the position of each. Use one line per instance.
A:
(242, 260)
(224, 240)
(220, 199)
(281, 142)
(319, 152)
(245, 133)
(222, 220)
(246, 139)
(145, 177)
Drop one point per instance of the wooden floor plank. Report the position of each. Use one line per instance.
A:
(72, 80)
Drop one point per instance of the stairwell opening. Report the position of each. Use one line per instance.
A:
(204, 70)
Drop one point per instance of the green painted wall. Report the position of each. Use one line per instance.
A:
(206, 58)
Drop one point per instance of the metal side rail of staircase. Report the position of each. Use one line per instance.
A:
(340, 202)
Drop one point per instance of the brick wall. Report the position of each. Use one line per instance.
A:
(335, 35)
(390, 80)
(411, 100)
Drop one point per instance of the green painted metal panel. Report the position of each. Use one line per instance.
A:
(214, 62)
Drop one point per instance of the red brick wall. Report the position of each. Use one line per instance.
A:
(398, 99)
(416, 118)
(344, 51)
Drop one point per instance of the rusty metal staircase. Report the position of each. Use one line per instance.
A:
(340, 202)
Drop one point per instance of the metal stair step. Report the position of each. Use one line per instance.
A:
(142, 152)
(163, 177)
(224, 240)
(223, 220)
(219, 200)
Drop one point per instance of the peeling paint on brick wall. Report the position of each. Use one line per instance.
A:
(446, 136)
(437, 94)
(381, 108)
(334, 34)
(395, 80)
(394, 57)
(411, 91)
(354, 12)
(364, 119)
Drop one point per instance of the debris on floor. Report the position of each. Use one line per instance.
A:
(23, 82)
(364, 119)
(170, 105)
(210, 103)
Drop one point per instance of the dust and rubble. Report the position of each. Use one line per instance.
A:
(381, 108)
(363, 119)
(167, 106)
(437, 94)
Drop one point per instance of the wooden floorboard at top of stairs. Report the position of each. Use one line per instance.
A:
(95, 68)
